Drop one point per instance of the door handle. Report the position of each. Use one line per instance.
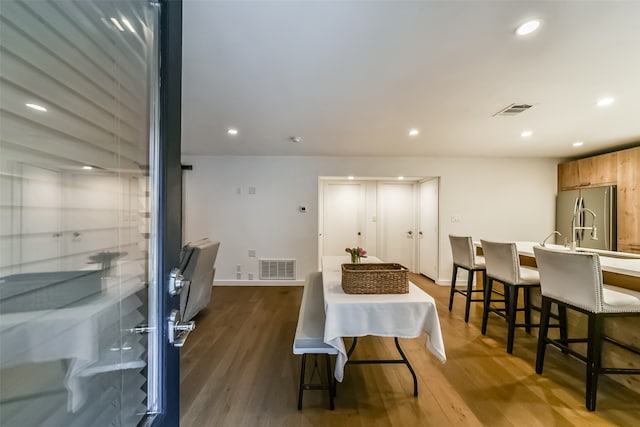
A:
(410, 233)
(420, 233)
(179, 331)
(177, 282)
(359, 233)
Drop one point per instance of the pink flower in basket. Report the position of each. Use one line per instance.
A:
(356, 253)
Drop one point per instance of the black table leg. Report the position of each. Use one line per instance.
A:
(404, 361)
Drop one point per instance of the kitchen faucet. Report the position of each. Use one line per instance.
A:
(547, 238)
(574, 227)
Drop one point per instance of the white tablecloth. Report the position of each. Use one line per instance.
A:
(387, 315)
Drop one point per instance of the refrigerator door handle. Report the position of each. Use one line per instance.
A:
(577, 220)
(581, 216)
(606, 231)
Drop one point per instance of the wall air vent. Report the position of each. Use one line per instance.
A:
(513, 110)
(277, 269)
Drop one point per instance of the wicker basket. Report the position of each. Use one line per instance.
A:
(378, 278)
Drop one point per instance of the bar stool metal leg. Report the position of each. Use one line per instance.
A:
(594, 352)
(527, 310)
(545, 308)
(469, 295)
(453, 286)
(512, 309)
(488, 288)
(562, 317)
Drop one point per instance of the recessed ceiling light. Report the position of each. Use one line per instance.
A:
(36, 107)
(602, 102)
(232, 131)
(117, 24)
(350, 177)
(87, 167)
(526, 133)
(528, 27)
(578, 144)
(414, 132)
(401, 178)
(296, 139)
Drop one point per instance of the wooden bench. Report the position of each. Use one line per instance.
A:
(309, 337)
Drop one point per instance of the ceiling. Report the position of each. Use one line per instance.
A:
(351, 78)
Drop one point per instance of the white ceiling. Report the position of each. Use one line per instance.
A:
(352, 77)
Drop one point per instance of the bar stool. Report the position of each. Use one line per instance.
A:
(574, 280)
(464, 257)
(503, 265)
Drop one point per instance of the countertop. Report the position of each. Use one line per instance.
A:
(629, 265)
(617, 262)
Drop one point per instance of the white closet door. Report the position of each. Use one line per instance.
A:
(396, 221)
(343, 222)
(40, 220)
(428, 233)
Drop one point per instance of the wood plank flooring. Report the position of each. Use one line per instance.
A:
(238, 370)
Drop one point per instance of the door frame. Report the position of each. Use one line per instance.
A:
(169, 226)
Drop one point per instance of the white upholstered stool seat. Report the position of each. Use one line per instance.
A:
(574, 280)
(479, 262)
(619, 300)
(528, 276)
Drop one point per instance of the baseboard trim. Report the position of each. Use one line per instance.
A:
(258, 283)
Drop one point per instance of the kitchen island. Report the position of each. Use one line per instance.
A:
(618, 268)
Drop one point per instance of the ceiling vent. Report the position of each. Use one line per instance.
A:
(513, 110)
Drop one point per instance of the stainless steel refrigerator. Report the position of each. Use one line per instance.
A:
(573, 209)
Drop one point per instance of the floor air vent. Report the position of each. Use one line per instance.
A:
(277, 269)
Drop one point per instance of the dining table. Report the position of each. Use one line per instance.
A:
(401, 315)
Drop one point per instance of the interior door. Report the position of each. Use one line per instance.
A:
(342, 216)
(428, 233)
(89, 143)
(40, 219)
(396, 222)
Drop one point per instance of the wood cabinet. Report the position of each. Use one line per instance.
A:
(589, 172)
(621, 168)
(568, 176)
(629, 200)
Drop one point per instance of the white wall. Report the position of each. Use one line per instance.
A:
(495, 198)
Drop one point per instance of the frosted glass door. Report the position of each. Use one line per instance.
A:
(78, 87)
